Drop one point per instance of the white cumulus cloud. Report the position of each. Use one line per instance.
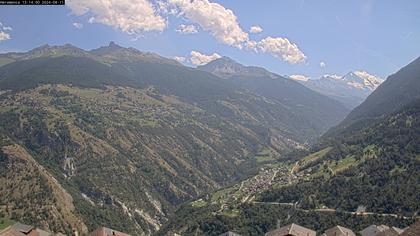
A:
(4, 36)
(180, 59)
(333, 76)
(282, 48)
(299, 77)
(165, 7)
(4, 32)
(322, 64)
(7, 28)
(77, 25)
(198, 58)
(130, 16)
(222, 23)
(255, 29)
(187, 29)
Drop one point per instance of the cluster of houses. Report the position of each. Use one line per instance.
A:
(265, 179)
(19, 229)
(373, 230)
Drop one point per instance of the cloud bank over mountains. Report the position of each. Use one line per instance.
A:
(136, 17)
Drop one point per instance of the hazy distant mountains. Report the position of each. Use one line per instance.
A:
(350, 89)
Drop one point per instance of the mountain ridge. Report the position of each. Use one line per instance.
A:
(112, 52)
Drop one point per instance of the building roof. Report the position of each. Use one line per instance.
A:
(292, 229)
(19, 229)
(338, 231)
(230, 233)
(10, 231)
(413, 230)
(107, 232)
(373, 230)
(22, 228)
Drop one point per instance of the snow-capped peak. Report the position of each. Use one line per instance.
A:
(350, 89)
(362, 80)
(359, 79)
(372, 79)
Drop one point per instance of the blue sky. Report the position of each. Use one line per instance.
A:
(377, 36)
